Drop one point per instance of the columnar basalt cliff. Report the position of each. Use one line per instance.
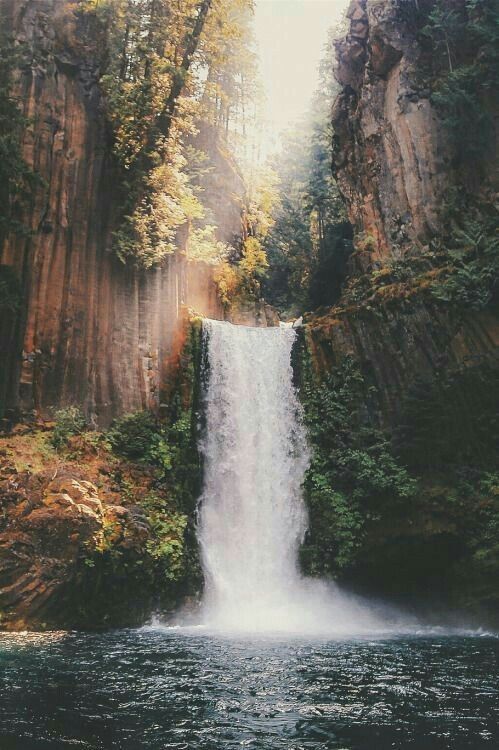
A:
(393, 167)
(392, 159)
(90, 330)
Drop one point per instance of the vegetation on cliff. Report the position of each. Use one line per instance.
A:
(97, 527)
(402, 489)
(17, 179)
(310, 239)
(407, 508)
(174, 72)
(461, 42)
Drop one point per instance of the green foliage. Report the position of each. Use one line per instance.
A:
(399, 512)
(169, 443)
(133, 435)
(172, 69)
(451, 419)
(464, 41)
(485, 545)
(169, 446)
(353, 474)
(461, 268)
(68, 422)
(253, 265)
(472, 281)
(309, 243)
(10, 290)
(204, 246)
(148, 234)
(167, 546)
(141, 437)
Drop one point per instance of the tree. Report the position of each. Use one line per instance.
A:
(310, 240)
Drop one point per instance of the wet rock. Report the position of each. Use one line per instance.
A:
(51, 531)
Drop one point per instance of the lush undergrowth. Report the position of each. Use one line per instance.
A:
(459, 268)
(110, 517)
(411, 512)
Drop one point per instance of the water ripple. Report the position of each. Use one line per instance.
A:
(156, 689)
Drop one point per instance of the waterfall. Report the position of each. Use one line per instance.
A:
(252, 517)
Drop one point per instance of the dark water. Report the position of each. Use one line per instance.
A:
(156, 689)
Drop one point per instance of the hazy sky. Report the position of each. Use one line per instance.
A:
(291, 35)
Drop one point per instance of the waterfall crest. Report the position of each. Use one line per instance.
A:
(252, 517)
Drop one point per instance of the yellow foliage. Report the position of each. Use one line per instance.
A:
(264, 200)
(227, 279)
(254, 262)
(204, 246)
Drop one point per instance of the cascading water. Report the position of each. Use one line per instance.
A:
(252, 517)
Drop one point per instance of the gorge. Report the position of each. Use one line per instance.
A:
(249, 480)
(394, 256)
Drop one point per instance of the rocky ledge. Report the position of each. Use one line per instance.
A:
(80, 545)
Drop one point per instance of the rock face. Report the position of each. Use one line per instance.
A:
(94, 532)
(428, 368)
(54, 523)
(90, 331)
(399, 345)
(390, 156)
(393, 169)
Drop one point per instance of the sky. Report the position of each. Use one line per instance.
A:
(291, 35)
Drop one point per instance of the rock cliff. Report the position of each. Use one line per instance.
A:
(400, 380)
(89, 330)
(392, 157)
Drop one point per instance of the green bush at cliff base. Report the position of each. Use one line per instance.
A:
(141, 437)
(169, 444)
(69, 421)
(133, 435)
(167, 546)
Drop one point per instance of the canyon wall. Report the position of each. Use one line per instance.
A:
(400, 383)
(90, 331)
(392, 164)
(392, 159)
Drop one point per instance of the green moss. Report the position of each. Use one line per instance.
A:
(408, 512)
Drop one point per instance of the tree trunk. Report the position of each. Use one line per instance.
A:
(164, 120)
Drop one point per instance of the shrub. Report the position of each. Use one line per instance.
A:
(68, 422)
(10, 290)
(133, 435)
(167, 547)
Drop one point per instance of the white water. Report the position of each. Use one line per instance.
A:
(252, 517)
